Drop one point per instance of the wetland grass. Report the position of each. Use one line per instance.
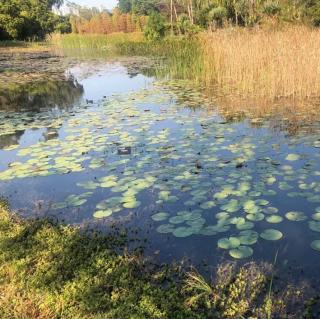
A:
(245, 63)
(272, 64)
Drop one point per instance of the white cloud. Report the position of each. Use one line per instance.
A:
(109, 4)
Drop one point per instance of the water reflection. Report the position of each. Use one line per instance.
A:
(40, 95)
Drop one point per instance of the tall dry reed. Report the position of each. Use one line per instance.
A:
(272, 64)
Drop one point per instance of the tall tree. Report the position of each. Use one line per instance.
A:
(20, 19)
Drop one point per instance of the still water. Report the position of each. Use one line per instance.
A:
(102, 142)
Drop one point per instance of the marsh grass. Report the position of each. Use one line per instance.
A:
(264, 63)
(258, 63)
(178, 57)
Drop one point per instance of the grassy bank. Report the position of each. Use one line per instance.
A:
(22, 46)
(52, 271)
(272, 64)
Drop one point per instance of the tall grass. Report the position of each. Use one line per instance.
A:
(178, 57)
(272, 64)
(256, 63)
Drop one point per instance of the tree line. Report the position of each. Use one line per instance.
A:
(33, 19)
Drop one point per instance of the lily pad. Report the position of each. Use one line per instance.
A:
(315, 245)
(271, 234)
(160, 216)
(182, 232)
(248, 237)
(274, 219)
(241, 252)
(292, 157)
(228, 243)
(296, 216)
(102, 213)
(165, 229)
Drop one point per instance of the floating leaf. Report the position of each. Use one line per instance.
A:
(315, 226)
(274, 219)
(296, 216)
(271, 234)
(165, 229)
(183, 232)
(102, 213)
(293, 157)
(315, 245)
(248, 237)
(228, 243)
(255, 216)
(241, 252)
(160, 216)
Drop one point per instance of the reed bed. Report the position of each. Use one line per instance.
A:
(256, 63)
(271, 64)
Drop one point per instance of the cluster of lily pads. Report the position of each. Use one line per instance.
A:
(202, 175)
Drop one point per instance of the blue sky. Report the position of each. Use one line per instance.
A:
(109, 4)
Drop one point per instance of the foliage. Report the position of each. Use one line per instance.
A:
(156, 28)
(23, 19)
(140, 7)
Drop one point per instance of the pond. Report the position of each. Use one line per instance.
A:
(102, 142)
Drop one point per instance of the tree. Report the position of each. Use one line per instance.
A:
(156, 27)
(22, 19)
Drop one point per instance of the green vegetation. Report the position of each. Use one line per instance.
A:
(34, 19)
(27, 19)
(178, 57)
(49, 271)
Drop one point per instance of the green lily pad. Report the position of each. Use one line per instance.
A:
(245, 226)
(228, 243)
(315, 245)
(132, 204)
(182, 232)
(160, 216)
(165, 229)
(296, 216)
(293, 157)
(255, 216)
(248, 237)
(316, 216)
(241, 252)
(271, 234)
(177, 219)
(315, 226)
(102, 213)
(274, 219)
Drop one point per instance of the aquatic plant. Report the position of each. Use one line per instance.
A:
(198, 175)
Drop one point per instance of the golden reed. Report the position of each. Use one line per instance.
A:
(272, 64)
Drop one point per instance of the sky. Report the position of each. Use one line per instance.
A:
(109, 4)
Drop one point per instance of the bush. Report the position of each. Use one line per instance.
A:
(218, 15)
(271, 8)
(156, 28)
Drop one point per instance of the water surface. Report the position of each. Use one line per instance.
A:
(100, 142)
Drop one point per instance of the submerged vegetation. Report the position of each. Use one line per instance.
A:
(52, 271)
